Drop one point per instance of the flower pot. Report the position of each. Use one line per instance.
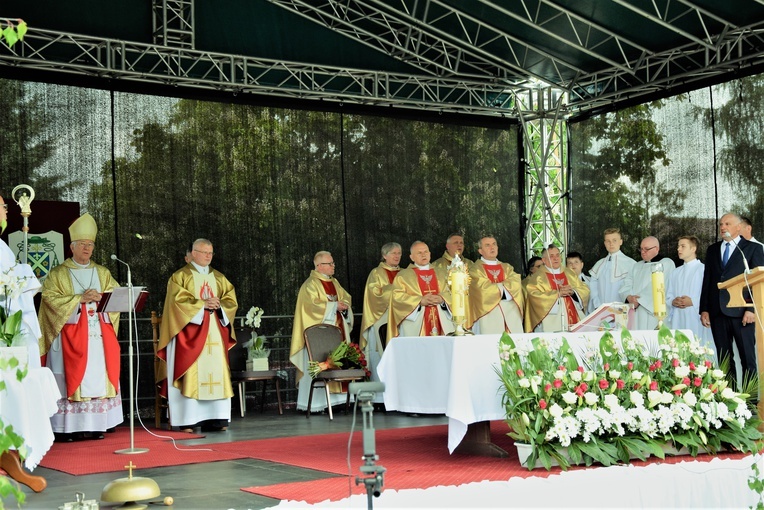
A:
(524, 451)
(257, 364)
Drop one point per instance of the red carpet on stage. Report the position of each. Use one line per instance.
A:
(97, 455)
(414, 458)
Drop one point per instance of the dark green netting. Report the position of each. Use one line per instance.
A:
(269, 187)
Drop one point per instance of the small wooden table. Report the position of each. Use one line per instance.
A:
(243, 377)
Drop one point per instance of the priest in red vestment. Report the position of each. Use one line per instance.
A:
(556, 298)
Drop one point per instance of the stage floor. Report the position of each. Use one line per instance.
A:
(217, 485)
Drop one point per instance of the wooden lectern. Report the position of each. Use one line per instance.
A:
(736, 286)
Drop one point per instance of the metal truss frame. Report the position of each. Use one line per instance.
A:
(546, 173)
(149, 63)
(415, 32)
(173, 23)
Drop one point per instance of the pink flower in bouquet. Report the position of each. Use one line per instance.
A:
(604, 384)
(542, 403)
(653, 385)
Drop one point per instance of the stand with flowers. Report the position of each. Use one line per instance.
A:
(622, 401)
(257, 354)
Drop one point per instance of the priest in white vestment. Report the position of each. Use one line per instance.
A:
(195, 337)
(637, 290)
(683, 289)
(609, 273)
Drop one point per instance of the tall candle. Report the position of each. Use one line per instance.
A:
(659, 291)
(458, 280)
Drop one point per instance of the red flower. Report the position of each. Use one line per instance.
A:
(675, 362)
(606, 367)
(708, 364)
(630, 365)
(520, 373)
(677, 392)
(562, 367)
(697, 381)
(580, 369)
(581, 389)
(362, 362)
(604, 384)
(637, 386)
(692, 365)
(620, 384)
(557, 383)
(658, 363)
(548, 387)
(686, 381)
(542, 403)
(653, 385)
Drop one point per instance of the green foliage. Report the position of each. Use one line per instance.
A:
(13, 34)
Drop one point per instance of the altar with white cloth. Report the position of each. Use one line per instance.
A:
(28, 405)
(457, 376)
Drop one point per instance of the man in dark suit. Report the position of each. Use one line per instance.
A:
(724, 261)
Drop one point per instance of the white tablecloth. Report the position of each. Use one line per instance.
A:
(28, 406)
(456, 376)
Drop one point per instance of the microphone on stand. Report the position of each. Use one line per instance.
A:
(729, 239)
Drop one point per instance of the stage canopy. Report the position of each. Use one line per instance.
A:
(482, 57)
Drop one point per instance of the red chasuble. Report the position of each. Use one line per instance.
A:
(557, 281)
(331, 293)
(428, 284)
(74, 344)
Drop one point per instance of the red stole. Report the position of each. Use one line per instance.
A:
(495, 272)
(428, 284)
(557, 281)
(391, 274)
(74, 344)
(331, 293)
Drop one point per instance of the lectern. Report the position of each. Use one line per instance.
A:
(736, 286)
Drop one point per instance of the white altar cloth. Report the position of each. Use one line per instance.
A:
(28, 406)
(457, 376)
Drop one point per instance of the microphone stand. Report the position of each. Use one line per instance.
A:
(131, 300)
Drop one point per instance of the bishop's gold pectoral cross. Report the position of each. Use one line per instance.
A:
(210, 384)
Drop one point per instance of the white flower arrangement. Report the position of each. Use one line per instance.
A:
(256, 344)
(579, 415)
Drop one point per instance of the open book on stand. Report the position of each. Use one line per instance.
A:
(606, 317)
(118, 300)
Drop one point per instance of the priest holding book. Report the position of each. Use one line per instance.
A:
(79, 344)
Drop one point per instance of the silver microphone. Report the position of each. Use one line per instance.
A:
(728, 237)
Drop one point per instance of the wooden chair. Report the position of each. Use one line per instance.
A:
(160, 403)
(320, 341)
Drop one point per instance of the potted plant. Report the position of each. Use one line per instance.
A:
(257, 353)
